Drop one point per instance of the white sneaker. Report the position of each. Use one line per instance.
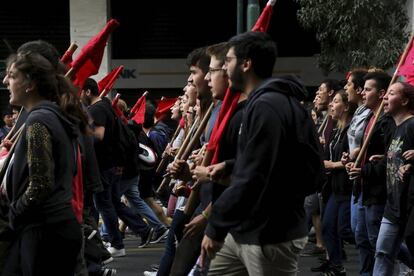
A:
(106, 244)
(116, 252)
(150, 273)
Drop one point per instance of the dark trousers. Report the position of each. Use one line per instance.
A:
(335, 227)
(174, 236)
(187, 254)
(409, 232)
(108, 203)
(45, 250)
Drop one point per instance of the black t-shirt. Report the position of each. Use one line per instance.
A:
(102, 115)
(402, 140)
(340, 184)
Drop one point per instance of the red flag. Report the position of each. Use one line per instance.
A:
(67, 58)
(262, 23)
(406, 69)
(77, 187)
(164, 105)
(226, 112)
(89, 60)
(138, 111)
(108, 81)
(118, 112)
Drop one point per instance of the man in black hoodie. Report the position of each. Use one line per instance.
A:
(259, 221)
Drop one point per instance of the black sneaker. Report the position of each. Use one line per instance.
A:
(335, 271)
(155, 267)
(160, 235)
(321, 268)
(313, 251)
(145, 239)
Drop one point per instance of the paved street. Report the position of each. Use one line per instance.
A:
(138, 260)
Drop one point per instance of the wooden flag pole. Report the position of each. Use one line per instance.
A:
(10, 154)
(72, 48)
(12, 129)
(198, 133)
(184, 152)
(164, 158)
(187, 138)
(381, 107)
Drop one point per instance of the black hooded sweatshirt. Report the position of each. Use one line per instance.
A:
(39, 180)
(264, 203)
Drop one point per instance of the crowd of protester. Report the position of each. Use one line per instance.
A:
(232, 176)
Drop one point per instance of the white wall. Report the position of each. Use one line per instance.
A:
(87, 18)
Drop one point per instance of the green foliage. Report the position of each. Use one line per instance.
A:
(356, 33)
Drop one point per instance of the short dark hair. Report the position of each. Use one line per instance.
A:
(332, 84)
(219, 51)
(199, 58)
(358, 77)
(7, 111)
(92, 85)
(149, 116)
(259, 48)
(382, 79)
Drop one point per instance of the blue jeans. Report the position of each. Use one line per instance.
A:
(109, 205)
(174, 236)
(129, 188)
(366, 234)
(388, 246)
(354, 212)
(335, 226)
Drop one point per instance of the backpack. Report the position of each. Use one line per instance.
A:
(312, 173)
(125, 147)
(312, 170)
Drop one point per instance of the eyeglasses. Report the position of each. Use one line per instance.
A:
(211, 70)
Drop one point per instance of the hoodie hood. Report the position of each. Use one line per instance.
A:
(288, 85)
(69, 124)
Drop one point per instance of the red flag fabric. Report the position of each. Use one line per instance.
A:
(407, 67)
(182, 122)
(138, 103)
(138, 111)
(108, 81)
(226, 112)
(89, 60)
(67, 58)
(118, 112)
(262, 23)
(77, 188)
(164, 106)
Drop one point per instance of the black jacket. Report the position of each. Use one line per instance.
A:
(340, 184)
(56, 206)
(374, 188)
(263, 204)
